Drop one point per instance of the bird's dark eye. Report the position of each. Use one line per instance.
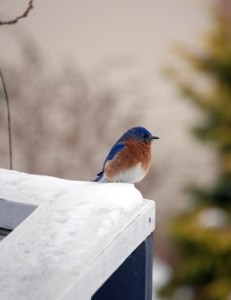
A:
(145, 135)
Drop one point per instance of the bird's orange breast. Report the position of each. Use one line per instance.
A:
(133, 154)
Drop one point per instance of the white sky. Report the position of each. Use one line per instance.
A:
(95, 31)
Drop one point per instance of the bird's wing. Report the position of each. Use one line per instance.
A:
(114, 151)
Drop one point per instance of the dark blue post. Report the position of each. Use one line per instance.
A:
(133, 279)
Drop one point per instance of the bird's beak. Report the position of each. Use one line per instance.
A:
(155, 138)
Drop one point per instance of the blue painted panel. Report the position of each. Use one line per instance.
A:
(133, 279)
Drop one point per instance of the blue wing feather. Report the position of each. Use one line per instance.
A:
(114, 151)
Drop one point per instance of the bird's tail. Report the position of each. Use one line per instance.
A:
(101, 178)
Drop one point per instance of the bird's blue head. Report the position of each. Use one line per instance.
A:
(140, 134)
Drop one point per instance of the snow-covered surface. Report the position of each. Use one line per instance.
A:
(95, 205)
(73, 225)
(89, 210)
(37, 189)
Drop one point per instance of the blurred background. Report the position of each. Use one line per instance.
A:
(80, 73)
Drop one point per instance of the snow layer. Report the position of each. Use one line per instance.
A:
(93, 205)
(37, 189)
(72, 216)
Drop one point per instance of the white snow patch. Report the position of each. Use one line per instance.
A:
(89, 211)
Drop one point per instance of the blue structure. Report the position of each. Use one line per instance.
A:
(133, 279)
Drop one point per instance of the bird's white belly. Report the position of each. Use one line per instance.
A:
(131, 175)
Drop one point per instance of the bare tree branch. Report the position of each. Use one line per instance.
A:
(23, 15)
(9, 119)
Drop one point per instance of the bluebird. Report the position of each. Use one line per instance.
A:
(129, 159)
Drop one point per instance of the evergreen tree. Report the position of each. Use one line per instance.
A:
(203, 234)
